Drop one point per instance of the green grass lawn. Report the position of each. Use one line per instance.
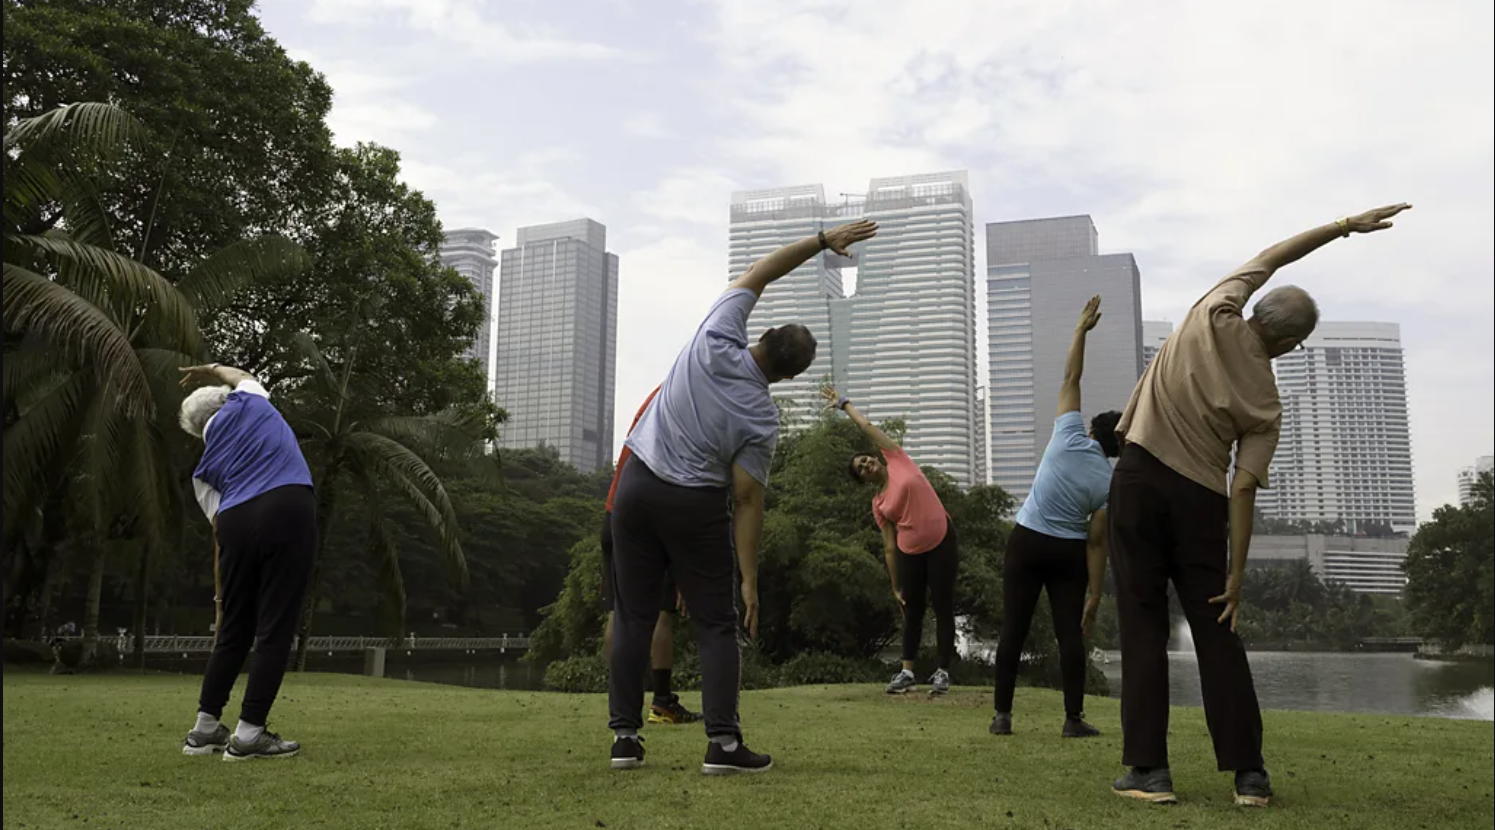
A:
(104, 752)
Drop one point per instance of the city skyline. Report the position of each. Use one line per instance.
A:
(716, 98)
(555, 369)
(1469, 475)
(469, 252)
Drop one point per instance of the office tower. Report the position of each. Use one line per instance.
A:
(469, 252)
(911, 352)
(1345, 453)
(1154, 334)
(557, 341)
(1469, 475)
(982, 422)
(1040, 272)
(761, 222)
(904, 344)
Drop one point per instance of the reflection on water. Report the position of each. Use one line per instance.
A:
(1393, 684)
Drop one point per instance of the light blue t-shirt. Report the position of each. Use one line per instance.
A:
(713, 408)
(1073, 481)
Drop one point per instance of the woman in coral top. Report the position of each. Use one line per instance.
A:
(919, 545)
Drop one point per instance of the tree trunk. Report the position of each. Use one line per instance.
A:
(89, 658)
(326, 505)
(142, 596)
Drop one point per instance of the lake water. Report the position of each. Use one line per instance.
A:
(1393, 684)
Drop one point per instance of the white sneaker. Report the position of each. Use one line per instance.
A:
(903, 682)
(939, 684)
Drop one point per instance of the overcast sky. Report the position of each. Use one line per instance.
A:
(1194, 133)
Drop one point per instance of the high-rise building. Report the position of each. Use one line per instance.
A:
(904, 344)
(1345, 453)
(983, 421)
(1154, 334)
(557, 341)
(1039, 274)
(469, 252)
(1469, 475)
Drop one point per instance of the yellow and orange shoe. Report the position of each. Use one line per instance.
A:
(671, 712)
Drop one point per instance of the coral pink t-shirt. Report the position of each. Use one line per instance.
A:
(910, 503)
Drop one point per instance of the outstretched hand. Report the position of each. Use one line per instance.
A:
(205, 373)
(1375, 220)
(1091, 315)
(841, 238)
(829, 394)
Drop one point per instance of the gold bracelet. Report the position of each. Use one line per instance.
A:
(1344, 226)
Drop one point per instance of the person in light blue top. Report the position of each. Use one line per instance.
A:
(691, 495)
(1059, 543)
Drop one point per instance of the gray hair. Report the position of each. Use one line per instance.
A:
(1286, 312)
(201, 405)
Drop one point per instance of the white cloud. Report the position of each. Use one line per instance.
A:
(645, 125)
(690, 195)
(463, 22)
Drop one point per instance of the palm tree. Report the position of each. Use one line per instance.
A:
(92, 337)
(378, 457)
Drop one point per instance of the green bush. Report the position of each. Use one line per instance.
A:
(821, 668)
(27, 653)
(578, 673)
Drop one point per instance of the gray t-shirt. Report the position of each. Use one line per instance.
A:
(713, 408)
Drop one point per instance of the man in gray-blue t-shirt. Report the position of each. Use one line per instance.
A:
(693, 493)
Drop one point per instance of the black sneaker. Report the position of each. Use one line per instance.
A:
(1155, 786)
(1078, 728)
(1253, 788)
(721, 762)
(1001, 724)
(206, 743)
(628, 753)
(268, 746)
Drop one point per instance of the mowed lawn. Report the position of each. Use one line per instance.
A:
(104, 752)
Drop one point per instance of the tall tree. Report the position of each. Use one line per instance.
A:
(1450, 569)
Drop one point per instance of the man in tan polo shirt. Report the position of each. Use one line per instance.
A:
(1176, 513)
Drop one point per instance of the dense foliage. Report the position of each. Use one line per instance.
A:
(1451, 573)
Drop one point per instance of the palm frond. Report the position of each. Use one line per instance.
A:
(89, 127)
(36, 305)
(28, 369)
(321, 369)
(135, 284)
(448, 434)
(30, 186)
(397, 466)
(36, 445)
(103, 441)
(213, 282)
(84, 215)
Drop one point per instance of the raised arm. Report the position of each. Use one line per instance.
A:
(1074, 366)
(1291, 250)
(834, 399)
(214, 373)
(791, 256)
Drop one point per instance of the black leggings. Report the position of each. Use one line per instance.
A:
(265, 550)
(1036, 561)
(931, 573)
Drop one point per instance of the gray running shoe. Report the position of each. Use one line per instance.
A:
(268, 746)
(206, 743)
(939, 683)
(1001, 724)
(903, 682)
(1154, 786)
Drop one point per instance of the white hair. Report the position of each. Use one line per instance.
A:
(201, 405)
(1286, 312)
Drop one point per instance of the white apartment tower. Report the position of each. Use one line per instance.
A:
(1469, 475)
(1345, 451)
(904, 345)
(469, 252)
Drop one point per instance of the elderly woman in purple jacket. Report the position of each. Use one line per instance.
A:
(254, 486)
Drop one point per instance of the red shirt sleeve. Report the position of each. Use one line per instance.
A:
(612, 490)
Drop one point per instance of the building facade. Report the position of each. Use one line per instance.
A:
(1040, 272)
(1367, 566)
(904, 344)
(1345, 453)
(1154, 334)
(557, 341)
(469, 252)
(1469, 475)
